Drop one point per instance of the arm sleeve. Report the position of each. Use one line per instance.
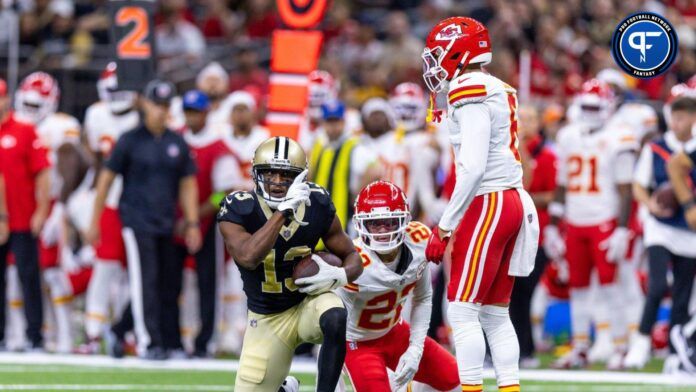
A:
(118, 160)
(475, 123)
(38, 154)
(226, 174)
(624, 164)
(422, 309)
(643, 175)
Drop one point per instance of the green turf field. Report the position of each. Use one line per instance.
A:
(84, 378)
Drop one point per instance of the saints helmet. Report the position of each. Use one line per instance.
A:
(277, 154)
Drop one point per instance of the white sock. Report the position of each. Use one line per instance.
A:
(540, 302)
(580, 315)
(61, 297)
(633, 298)
(97, 298)
(16, 323)
(613, 299)
(189, 316)
(469, 343)
(502, 339)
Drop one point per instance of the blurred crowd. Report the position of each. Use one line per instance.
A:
(366, 94)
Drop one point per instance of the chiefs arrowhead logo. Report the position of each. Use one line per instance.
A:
(450, 32)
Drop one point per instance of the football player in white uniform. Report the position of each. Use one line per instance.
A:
(392, 248)
(105, 122)
(595, 168)
(412, 139)
(36, 102)
(490, 218)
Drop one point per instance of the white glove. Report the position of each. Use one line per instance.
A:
(328, 278)
(298, 193)
(51, 229)
(68, 260)
(617, 244)
(554, 245)
(407, 367)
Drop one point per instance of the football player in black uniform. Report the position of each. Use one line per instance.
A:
(267, 232)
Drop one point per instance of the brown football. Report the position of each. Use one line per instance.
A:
(308, 267)
(665, 197)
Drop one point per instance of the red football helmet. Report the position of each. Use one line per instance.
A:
(594, 103)
(450, 47)
(381, 216)
(409, 105)
(321, 89)
(37, 97)
(119, 101)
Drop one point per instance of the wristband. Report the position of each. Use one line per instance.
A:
(556, 209)
(216, 198)
(689, 204)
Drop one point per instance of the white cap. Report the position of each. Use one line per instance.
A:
(612, 76)
(241, 98)
(377, 105)
(212, 69)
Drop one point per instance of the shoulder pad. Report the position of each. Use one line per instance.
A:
(241, 202)
(473, 88)
(319, 193)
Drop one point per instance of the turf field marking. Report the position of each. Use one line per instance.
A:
(112, 387)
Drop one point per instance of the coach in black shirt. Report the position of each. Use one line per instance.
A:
(158, 172)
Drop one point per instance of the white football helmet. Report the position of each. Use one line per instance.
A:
(119, 101)
(37, 97)
(408, 102)
(594, 104)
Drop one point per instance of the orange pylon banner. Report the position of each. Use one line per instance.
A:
(294, 54)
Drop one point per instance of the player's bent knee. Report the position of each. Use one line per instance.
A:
(333, 324)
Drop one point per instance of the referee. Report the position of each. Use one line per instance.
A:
(158, 172)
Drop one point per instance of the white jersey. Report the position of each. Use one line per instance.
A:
(374, 301)
(243, 146)
(80, 204)
(590, 166)
(55, 130)
(641, 118)
(103, 129)
(408, 161)
(482, 125)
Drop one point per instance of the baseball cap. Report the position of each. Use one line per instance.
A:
(333, 109)
(196, 100)
(3, 88)
(159, 91)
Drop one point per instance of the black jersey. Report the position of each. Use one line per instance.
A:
(269, 288)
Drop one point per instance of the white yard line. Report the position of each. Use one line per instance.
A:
(113, 387)
(28, 363)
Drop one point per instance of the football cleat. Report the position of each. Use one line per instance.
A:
(685, 347)
(290, 384)
(638, 353)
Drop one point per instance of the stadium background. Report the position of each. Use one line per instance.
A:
(543, 48)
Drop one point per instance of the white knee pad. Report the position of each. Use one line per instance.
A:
(502, 340)
(468, 341)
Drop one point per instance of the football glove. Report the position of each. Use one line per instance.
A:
(328, 278)
(298, 193)
(407, 367)
(435, 249)
(617, 244)
(554, 245)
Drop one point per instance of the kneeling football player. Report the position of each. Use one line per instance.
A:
(392, 248)
(267, 232)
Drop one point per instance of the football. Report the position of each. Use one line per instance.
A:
(308, 267)
(665, 197)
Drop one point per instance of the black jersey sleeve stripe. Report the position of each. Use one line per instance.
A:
(277, 147)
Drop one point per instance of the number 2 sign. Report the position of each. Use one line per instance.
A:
(132, 35)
